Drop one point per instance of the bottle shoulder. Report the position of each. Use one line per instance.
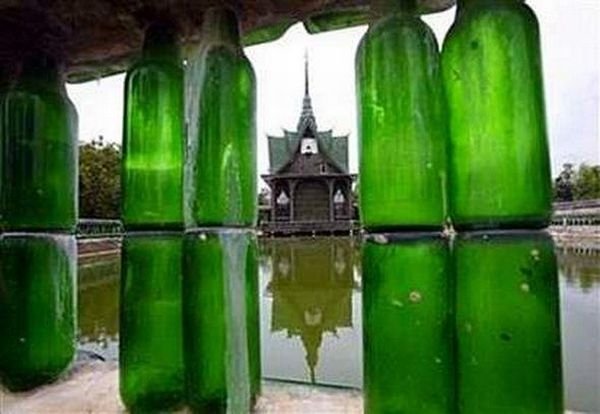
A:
(220, 56)
(26, 94)
(494, 16)
(148, 67)
(399, 29)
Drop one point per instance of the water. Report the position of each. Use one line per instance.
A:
(98, 303)
(311, 327)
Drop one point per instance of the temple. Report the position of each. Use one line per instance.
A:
(309, 181)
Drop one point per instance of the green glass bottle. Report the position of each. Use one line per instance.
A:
(216, 352)
(221, 160)
(253, 320)
(499, 168)
(402, 123)
(508, 324)
(38, 147)
(37, 308)
(5, 75)
(408, 321)
(153, 136)
(151, 339)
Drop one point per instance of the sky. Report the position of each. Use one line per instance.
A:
(570, 50)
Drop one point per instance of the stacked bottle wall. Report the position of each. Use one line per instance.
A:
(38, 211)
(407, 291)
(402, 123)
(499, 174)
(499, 168)
(499, 177)
(220, 299)
(151, 339)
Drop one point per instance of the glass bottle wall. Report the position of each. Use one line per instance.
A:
(38, 196)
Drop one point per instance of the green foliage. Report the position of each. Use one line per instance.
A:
(264, 197)
(562, 188)
(583, 184)
(587, 182)
(99, 181)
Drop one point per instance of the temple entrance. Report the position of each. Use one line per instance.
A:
(311, 201)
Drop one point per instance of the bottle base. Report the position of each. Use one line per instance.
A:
(501, 224)
(28, 381)
(157, 402)
(213, 406)
(403, 228)
(134, 227)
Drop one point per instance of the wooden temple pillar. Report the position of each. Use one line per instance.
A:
(331, 187)
(273, 187)
(292, 184)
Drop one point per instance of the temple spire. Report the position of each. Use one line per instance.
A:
(306, 80)
(307, 117)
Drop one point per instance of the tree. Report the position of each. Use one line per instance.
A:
(563, 185)
(264, 197)
(99, 180)
(587, 182)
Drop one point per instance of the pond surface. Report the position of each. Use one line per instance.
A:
(311, 314)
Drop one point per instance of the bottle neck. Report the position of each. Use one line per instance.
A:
(4, 77)
(161, 43)
(381, 8)
(42, 70)
(462, 4)
(221, 26)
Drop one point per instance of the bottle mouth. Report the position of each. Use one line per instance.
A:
(469, 3)
(39, 65)
(161, 41)
(220, 23)
(384, 7)
(160, 32)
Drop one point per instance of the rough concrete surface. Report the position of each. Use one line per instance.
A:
(102, 37)
(92, 388)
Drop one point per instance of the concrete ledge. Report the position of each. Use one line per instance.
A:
(91, 387)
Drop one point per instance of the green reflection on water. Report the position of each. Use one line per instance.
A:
(580, 270)
(98, 303)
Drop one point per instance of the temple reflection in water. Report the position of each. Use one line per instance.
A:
(311, 288)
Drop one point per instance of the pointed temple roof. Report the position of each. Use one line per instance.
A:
(283, 148)
(307, 122)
